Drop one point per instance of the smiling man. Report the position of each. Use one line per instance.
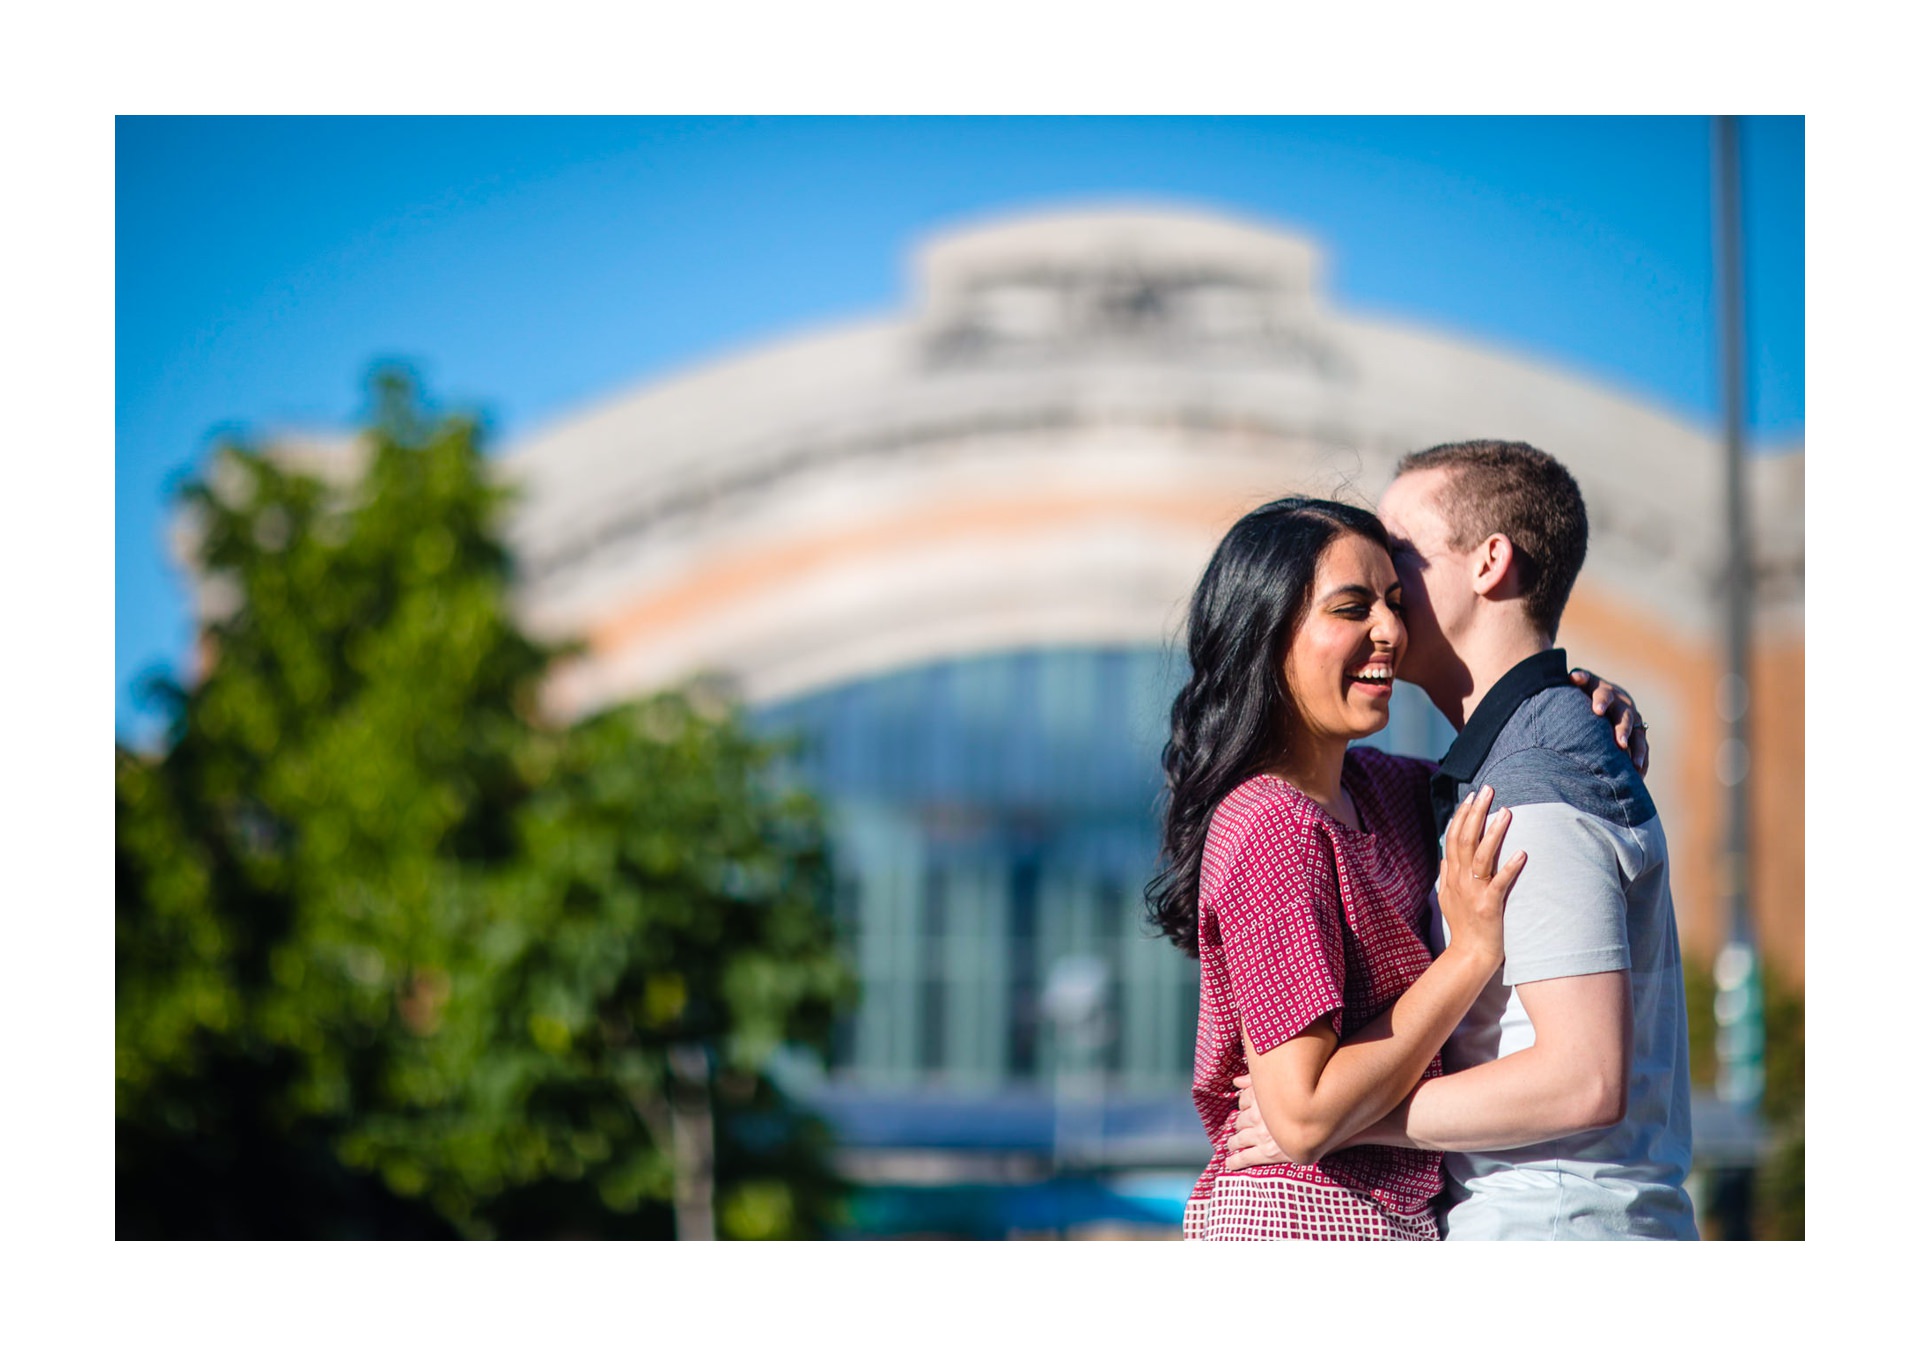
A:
(1564, 1112)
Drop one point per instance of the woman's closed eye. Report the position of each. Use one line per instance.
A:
(1361, 611)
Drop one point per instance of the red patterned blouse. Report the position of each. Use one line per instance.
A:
(1301, 918)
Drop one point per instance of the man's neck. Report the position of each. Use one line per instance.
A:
(1486, 656)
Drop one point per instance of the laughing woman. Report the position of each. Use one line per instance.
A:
(1297, 870)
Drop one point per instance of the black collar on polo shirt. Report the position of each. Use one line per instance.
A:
(1531, 676)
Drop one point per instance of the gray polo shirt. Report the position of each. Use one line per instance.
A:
(1595, 896)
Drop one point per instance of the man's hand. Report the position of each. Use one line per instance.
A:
(1252, 1144)
(1629, 731)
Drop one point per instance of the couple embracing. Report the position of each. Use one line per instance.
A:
(1515, 1067)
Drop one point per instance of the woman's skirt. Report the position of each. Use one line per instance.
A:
(1243, 1209)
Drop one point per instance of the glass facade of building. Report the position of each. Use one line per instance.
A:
(994, 824)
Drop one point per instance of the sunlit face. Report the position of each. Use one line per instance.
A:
(1346, 653)
(1437, 579)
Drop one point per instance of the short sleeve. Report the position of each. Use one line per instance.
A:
(1280, 930)
(1567, 912)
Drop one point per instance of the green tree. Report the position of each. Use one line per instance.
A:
(395, 957)
(654, 943)
(1779, 1196)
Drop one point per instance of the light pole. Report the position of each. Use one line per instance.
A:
(1739, 1038)
(1076, 1001)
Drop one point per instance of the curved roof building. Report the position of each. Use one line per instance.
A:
(1043, 449)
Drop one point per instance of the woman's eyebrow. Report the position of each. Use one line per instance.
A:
(1340, 589)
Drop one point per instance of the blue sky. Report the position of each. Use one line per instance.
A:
(528, 265)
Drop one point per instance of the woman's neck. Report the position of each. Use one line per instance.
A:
(1313, 768)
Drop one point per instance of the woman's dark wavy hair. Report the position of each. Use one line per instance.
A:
(1234, 715)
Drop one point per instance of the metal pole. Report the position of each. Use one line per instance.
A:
(1739, 1039)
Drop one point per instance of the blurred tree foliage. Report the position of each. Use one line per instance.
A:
(396, 958)
(1780, 1195)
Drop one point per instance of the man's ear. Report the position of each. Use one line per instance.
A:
(1496, 573)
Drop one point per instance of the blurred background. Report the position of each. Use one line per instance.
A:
(643, 644)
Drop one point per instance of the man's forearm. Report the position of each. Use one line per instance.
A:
(1523, 1098)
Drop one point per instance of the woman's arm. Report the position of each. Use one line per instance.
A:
(1325, 1092)
(1319, 1091)
(1572, 1078)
